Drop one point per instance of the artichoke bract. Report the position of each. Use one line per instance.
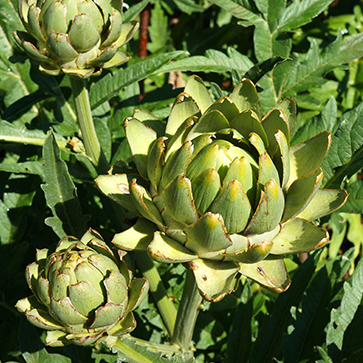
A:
(83, 292)
(220, 188)
(78, 37)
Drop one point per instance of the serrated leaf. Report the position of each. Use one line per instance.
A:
(110, 85)
(213, 61)
(188, 6)
(297, 76)
(129, 351)
(158, 29)
(345, 156)
(343, 316)
(354, 203)
(241, 10)
(325, 121)
(61, 194)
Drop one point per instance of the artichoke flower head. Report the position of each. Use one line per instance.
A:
(76, 37)
(220, 189)
(83, 292)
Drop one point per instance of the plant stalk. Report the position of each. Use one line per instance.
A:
(85, 122)
(187, 313)
(165, 306)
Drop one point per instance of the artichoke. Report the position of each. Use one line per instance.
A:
(221, 190)
(83, 292)
(78, 37)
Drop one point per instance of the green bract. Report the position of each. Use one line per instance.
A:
(222, 190)
(77, 37)
(82, 292)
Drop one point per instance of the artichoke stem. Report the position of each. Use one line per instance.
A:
(85, 121)
(165, 306)
(187, 313)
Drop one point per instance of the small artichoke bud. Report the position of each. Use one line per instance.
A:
(227, 193)
(83, 292)
(76, 37)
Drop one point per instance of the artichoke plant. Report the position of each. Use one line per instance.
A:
(83, 292)
(78, 37)
(220, 188)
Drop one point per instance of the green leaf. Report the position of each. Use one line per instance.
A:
(239, 339)
(297, 76)
(325, 121)
(61, 194)
(22, 106)
(268, 342)
(270, 44)
(32, 348)
(15, 79)
(104, 136)
(260, 69)
(307, 327)
(323, 355)
(158, 29)
(301, 13)
(15, 207)
(27, 167)
(343, 316)
(241, 10)
(10, 133)
(129, 351)
(354, 203)
(352, 344)
(345, 156)
(213, 61)
(188, 6)
(110, 85)
(134, 10)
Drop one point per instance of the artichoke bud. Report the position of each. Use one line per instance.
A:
(82, 292)
(75, 37)
(228, 194)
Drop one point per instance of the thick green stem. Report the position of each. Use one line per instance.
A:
(165, 306)
(85, 121)
(187, 313)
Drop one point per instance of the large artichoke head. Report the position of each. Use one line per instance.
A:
(222, 190)
(77, 37)
(83, 292)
